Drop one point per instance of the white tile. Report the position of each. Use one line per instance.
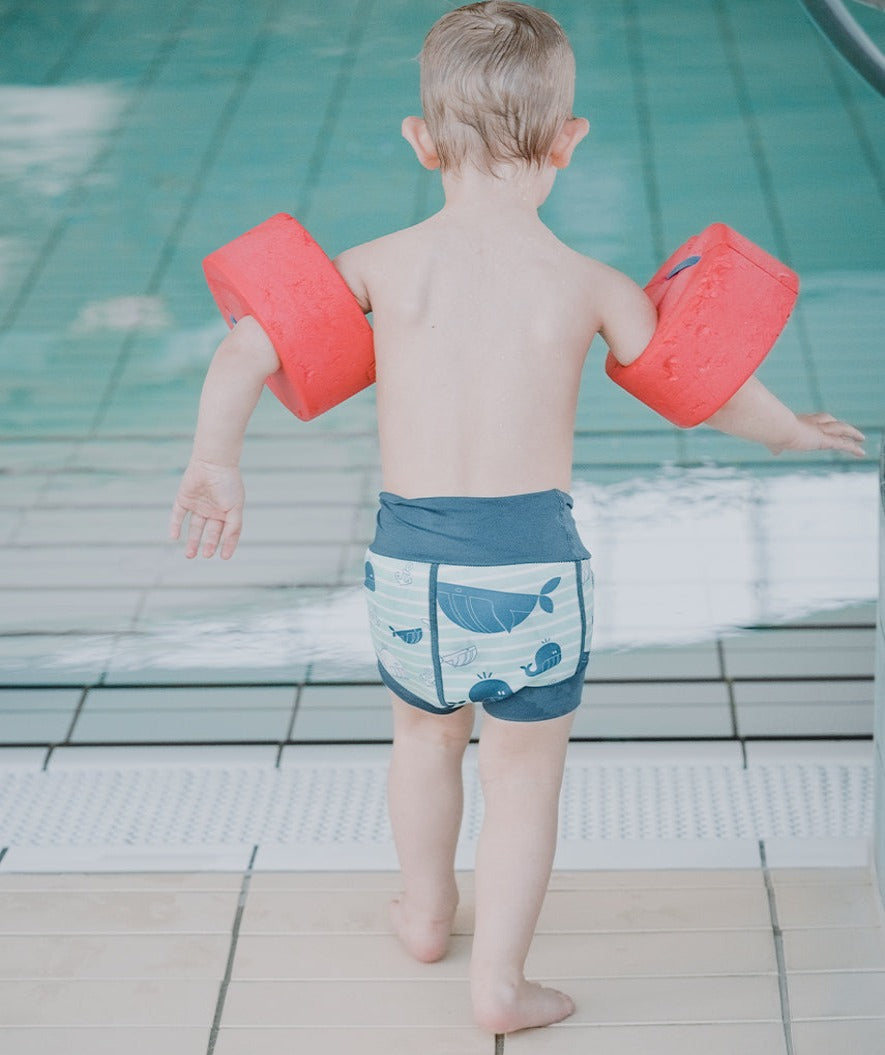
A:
(824, 752)
(22, 757)
(346, 697)
(844, 994)
(334, 755)
(22, 727)
(361, 1003)
(105, 1040)
(717, 1038)
(174, 698)
(827, 905)
(343, 723)
(634, 722)
(167, 755)
(108, 1002)
(800, 653)
(669, 752)
(34, 700)
(657, 909)
(834, 948)
(226, 858)
(313, 857)
(114, 956)
(817, 853)
(658, 853)
(859, 1036)
(126, 725)
(443, 1039)
(679, 661)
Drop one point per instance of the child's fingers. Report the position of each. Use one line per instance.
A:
(229, 541)
(194, 534)
(211, 537)
(176, 520)
(843, 437)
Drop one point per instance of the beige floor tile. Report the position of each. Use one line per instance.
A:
(328, 956)
(846, 994)
(356, 1003)
(108, 1040)
(105, 881)
(114, 956)
(360, 1040)
(667, 879)
(857, 1036)
(827, 905)
(827, 876)
(315, 912)
(632, 1001)
(835, 949)
(657, 909)
(731, 1038)
(84, 912)
(108, 1002)
(343, 881)
(328, 912)
(648, 953)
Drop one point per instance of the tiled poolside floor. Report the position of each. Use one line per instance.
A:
(721, 962)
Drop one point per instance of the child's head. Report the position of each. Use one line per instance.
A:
(497, 85)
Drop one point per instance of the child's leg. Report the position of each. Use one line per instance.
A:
(520, 766)
(426, 800)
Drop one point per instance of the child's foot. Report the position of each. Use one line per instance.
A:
(425, 937)
(506, 1008)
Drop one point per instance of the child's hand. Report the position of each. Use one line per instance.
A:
(819, 432)
(213, 495)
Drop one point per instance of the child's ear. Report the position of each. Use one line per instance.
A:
(573, 131)
(416, 135)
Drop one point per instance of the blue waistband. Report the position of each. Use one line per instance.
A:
(511, 529)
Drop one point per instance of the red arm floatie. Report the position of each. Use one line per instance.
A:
(722, 302)
(279, 275)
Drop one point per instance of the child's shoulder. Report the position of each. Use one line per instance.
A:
(358, 264)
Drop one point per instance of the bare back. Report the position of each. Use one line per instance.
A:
(482, 325)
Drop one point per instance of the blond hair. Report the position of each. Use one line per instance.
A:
(497, 85)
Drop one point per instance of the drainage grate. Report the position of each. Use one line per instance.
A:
(330, 802)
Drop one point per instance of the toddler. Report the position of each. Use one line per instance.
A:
(478, 587)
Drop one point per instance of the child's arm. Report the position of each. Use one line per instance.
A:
(754, 413)
(211, 490)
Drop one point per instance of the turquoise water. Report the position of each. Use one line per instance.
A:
(135, 138)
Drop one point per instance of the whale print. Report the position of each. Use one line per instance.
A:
(410, 637)
(489, 690)
(484, 611)
(547, 656)
(370, 577)
(461, 657)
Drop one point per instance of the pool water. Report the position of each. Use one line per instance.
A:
(135, 138)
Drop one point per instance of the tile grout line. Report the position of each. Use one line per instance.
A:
(639, 80)
(767, 184)
(209, 156)
(777, 933)
(148, 76)
(232, 951)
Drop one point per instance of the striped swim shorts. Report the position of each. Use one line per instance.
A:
(481, 600)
